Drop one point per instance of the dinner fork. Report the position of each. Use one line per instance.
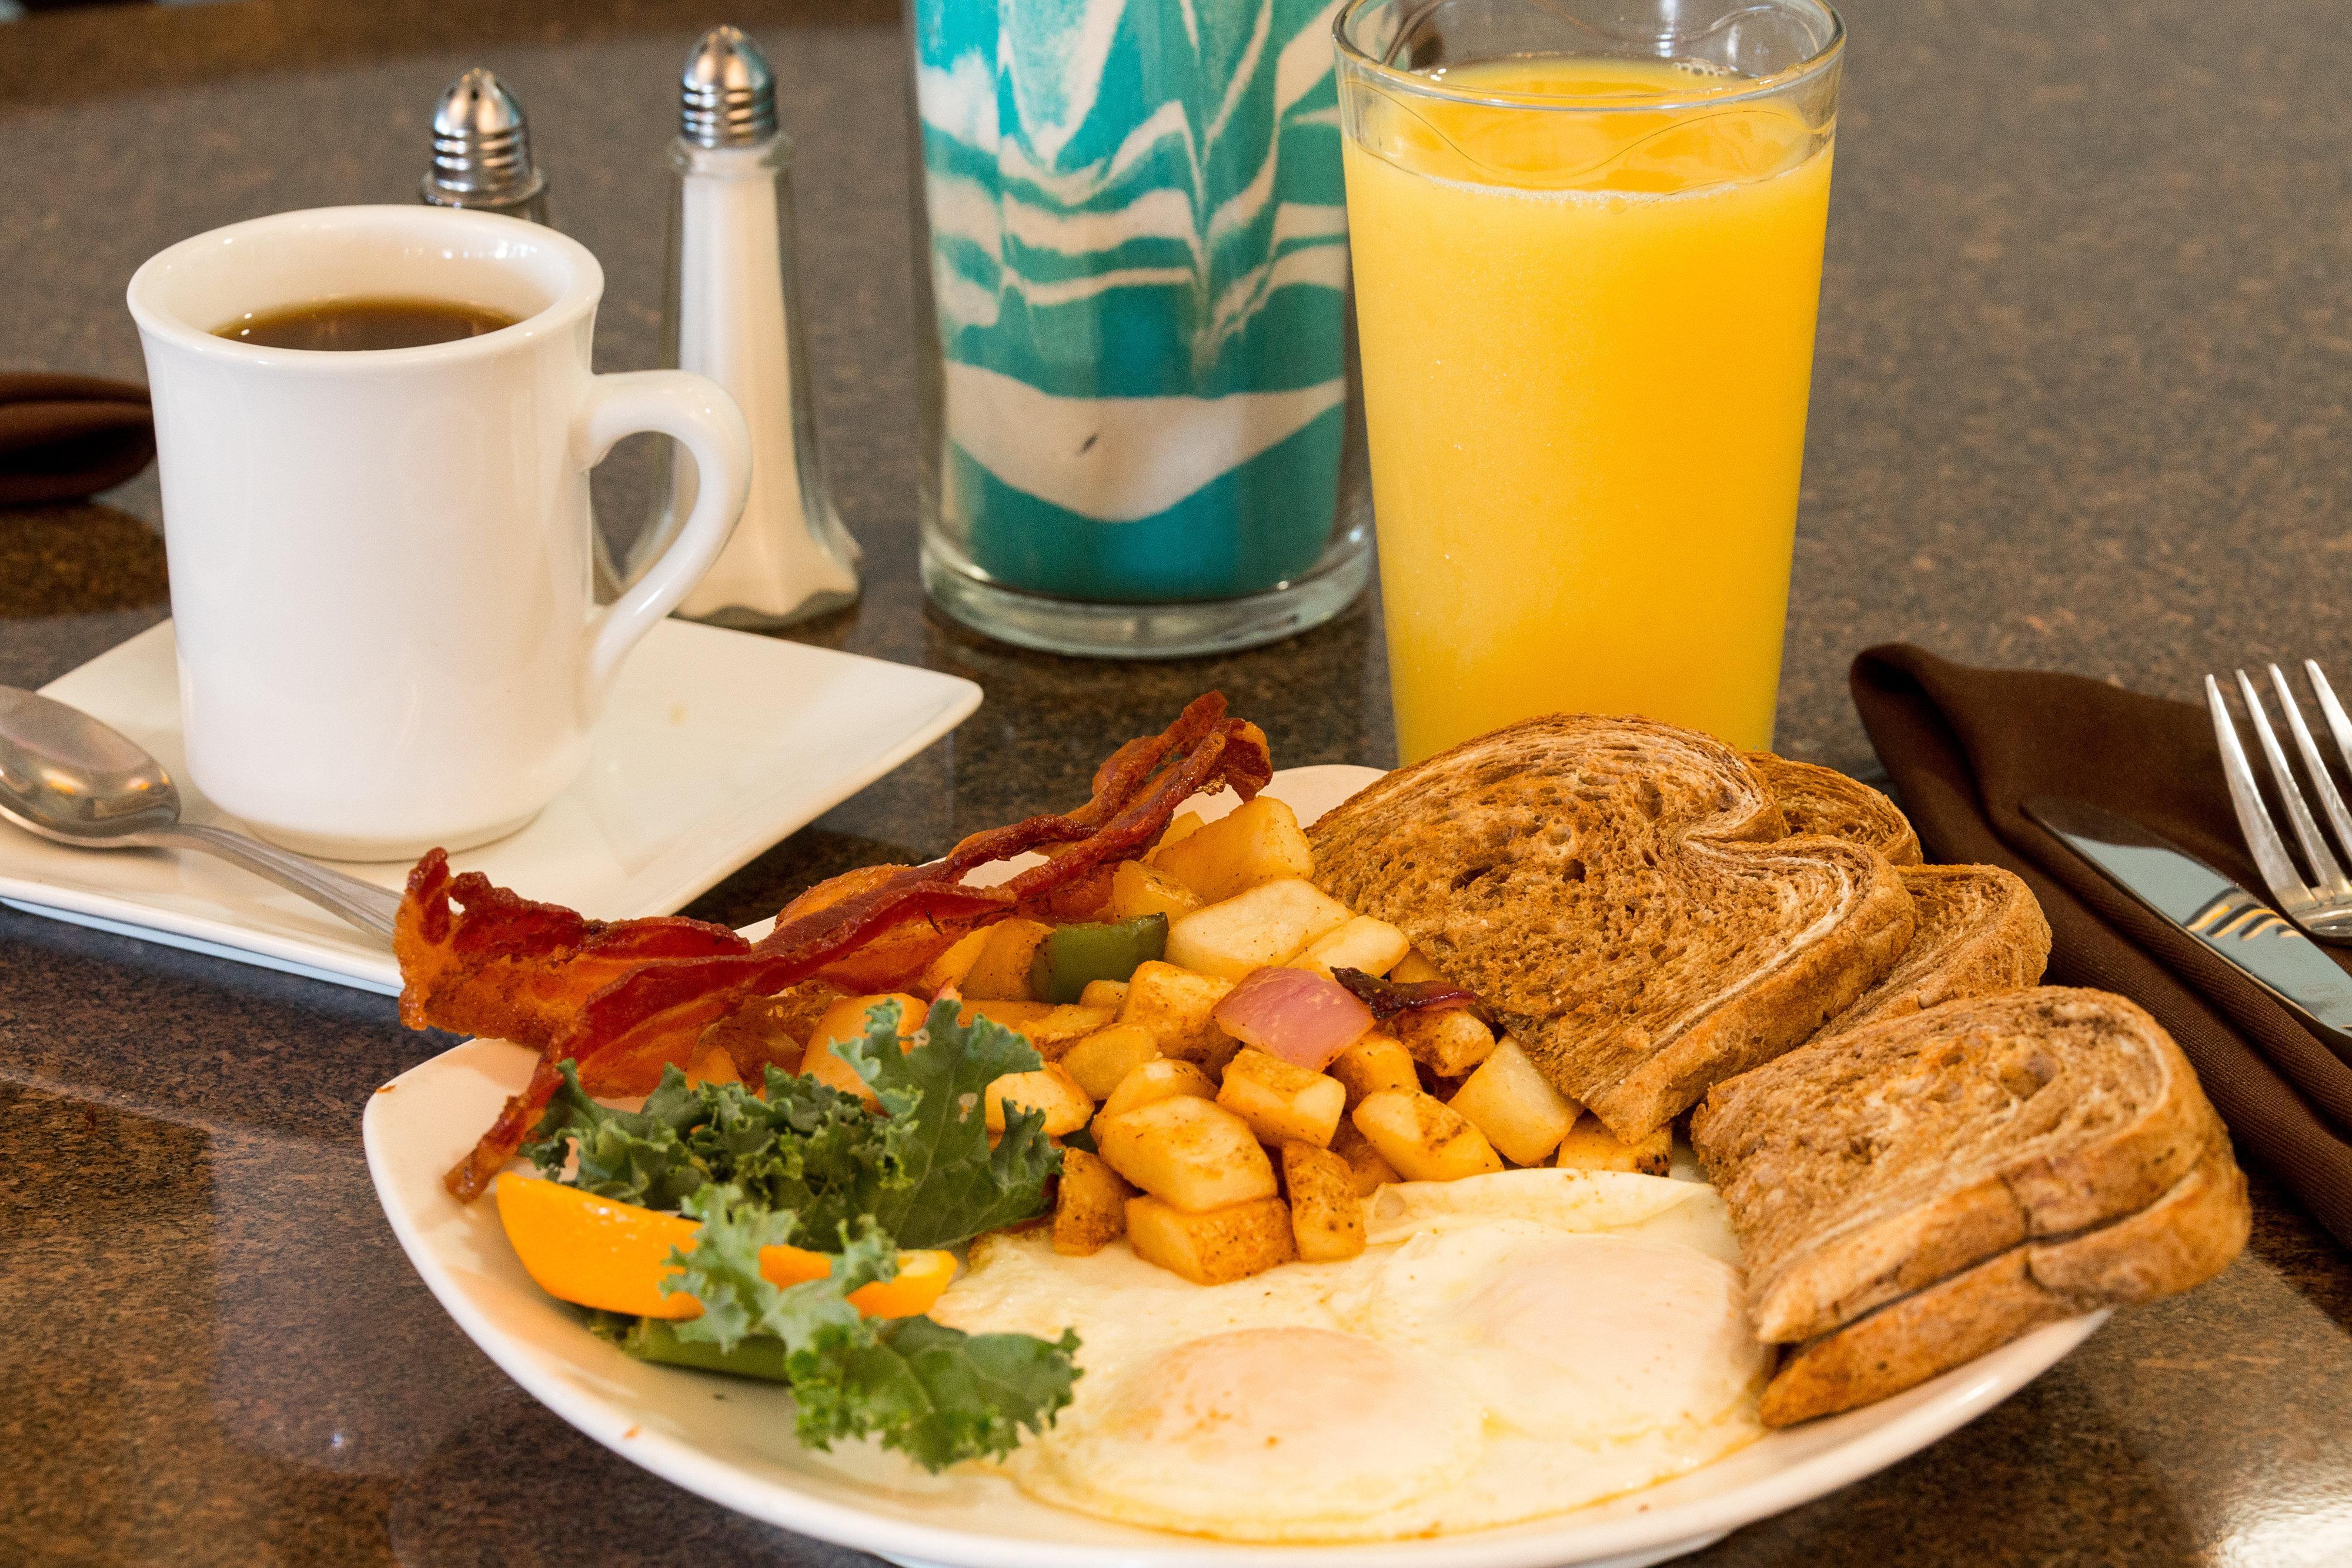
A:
(2322, 906)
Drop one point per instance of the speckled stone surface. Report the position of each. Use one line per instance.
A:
(2080, 401)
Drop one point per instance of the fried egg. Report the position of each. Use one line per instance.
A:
(1507, 1346)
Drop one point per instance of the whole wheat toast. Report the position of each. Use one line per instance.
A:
(1621, 894)
(1822, 801)
(2183, 1238)
(1980, 931)
(1870, 1165)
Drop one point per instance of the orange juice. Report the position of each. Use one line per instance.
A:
(1587, 345)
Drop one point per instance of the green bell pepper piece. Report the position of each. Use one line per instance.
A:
(1110, 950)
(653, 1339)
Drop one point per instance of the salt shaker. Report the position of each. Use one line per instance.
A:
(734, 315)
(481, 151)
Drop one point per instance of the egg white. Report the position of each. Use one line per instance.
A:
(1509, 1346)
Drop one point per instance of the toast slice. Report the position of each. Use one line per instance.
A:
(1622, 896)
(1980, 930)
(2183, 1238)
(1869, 1166)
(1822, 801)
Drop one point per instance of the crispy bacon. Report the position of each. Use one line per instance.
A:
(657, 985)
(477, 958)
(772, 1031)
(1388, 998)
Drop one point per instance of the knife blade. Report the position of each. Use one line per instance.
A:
(2221, 915)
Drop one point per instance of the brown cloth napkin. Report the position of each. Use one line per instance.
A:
(64, 437)
(1965, 746)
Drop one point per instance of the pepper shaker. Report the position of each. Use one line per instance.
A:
(481, 151)
(733, 314)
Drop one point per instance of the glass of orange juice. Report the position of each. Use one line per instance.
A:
(1586, 239)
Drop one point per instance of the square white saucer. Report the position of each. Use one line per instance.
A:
(716, 745)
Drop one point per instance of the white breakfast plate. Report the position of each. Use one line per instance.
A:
(714, 745)
(731, 1441)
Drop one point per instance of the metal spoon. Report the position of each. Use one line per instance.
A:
(71, 779)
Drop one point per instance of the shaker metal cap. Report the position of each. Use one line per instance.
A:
(727, 94)
(481, 145)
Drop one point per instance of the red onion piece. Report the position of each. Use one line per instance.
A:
(1388, 998)
(1294, 1014)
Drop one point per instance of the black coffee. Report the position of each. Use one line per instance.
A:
(359, 324)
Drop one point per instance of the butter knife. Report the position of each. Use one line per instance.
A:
(2216, 911)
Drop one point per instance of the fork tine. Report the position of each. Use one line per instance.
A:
(2321, 782)
(2330, 709)
(2323, 869)
(2278, 868)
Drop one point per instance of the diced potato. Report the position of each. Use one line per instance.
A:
(1364, 942)
(1054, 1033)
(950, 968)
(1282, 1102)
(1516, 1105)
(1052, 1029)
(1136, 889)
(1090, 1209)
(1364, 1162)
(1177, 1007)
(1251, 930)
(1112, 994)
(1451, 1040)
(711, 1064)
(1589, 1146)
(1050, 1089)
(1214, 1247)
(1413, 968)
(1181, 826)
(1424, 1139)
(846, 1019)
(1102, 1060)
(1191, 1153)
(1001, 972)
(1374, 1063)
(1327, 1214)
(1258, 843)
(1159, 1079)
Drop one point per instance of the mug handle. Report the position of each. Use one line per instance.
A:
(699, 415)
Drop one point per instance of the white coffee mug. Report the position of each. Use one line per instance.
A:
(380, 560)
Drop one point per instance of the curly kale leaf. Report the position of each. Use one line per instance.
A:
(953, 1187)
(938, 1394)
(721, 1270)
(923, 1170)
(633, 1156)
(804, 1148)
(933, 1393)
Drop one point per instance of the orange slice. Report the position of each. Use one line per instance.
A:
(595, 1252)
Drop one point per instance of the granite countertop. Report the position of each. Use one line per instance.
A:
(2080, 402)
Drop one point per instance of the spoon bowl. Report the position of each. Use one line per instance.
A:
(66, 777)
(71, 779)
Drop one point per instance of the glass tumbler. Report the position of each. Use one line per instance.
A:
(1586, 240)
(1141, 433)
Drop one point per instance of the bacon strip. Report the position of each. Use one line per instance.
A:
(504, 965)
(649, 1015)
(649, 1007)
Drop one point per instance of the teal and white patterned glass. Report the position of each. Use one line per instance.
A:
(1142, 433)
